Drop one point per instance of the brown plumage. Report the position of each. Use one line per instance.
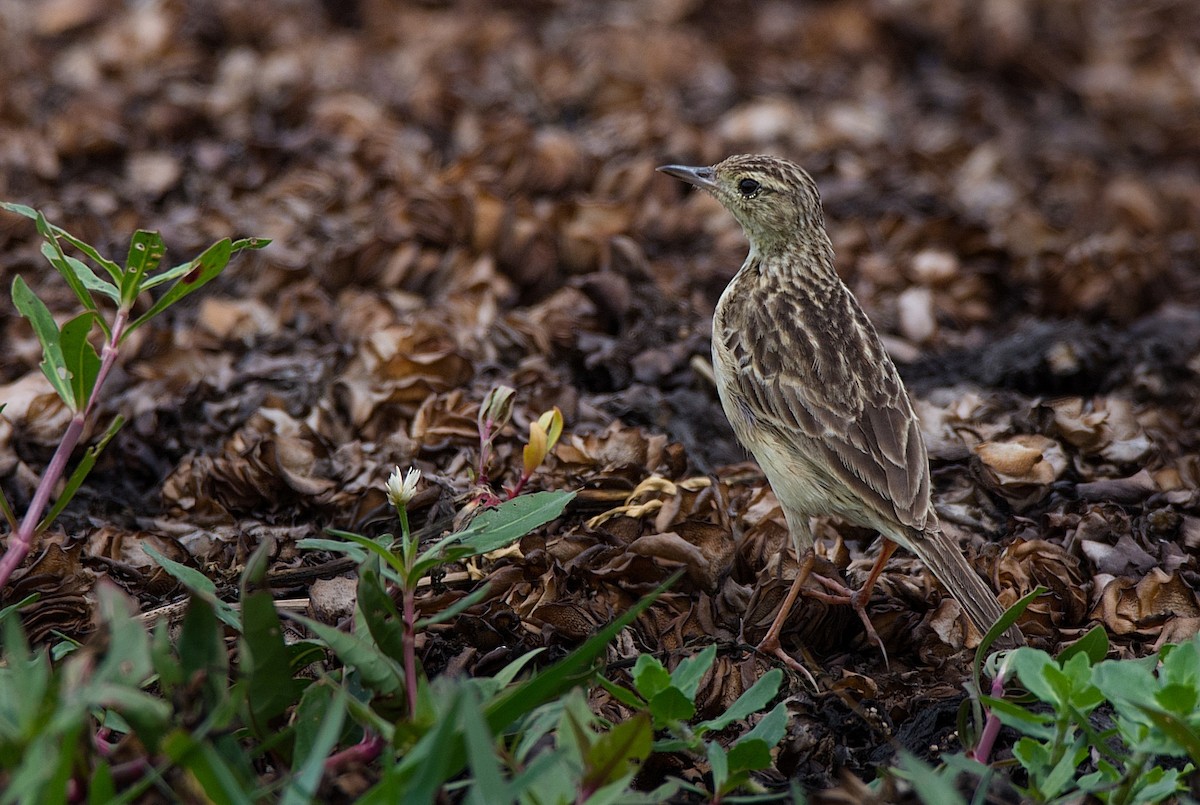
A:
(810, 390)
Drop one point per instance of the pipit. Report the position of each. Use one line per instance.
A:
(810, 390)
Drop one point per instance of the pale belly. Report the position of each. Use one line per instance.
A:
(795, 469)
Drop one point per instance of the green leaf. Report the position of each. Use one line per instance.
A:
(566, 673)
(54, 366)
(20, 209)
(1185, 736)
(496, 528)
(1040, 675)
(80, 474)
(1094, 645)
(380, 614)
(101, 788)
(80, 358)
(623, 695)
(455, 609)
(718, 762)
(81, 279)
(220, 780)
(618, 752)
(671, 706)
(175, 272)
(1025, 721)
(341, 546)
(378, 546)
(1062, 774)
(199, 584)
(437, 757)
(266, 662)
(202, 652)
(751, 701)
(202, 270)
(146, 250)
(649, 676)
(319, 719)
(750, 754)
(927, 782)
(509, 672)
(380, 673)
(690, 671)
(52, 233)
(771, 728)
(489, 784)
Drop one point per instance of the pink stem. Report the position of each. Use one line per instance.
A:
(991, 727)
(21, 542)
(364, 752)
(410, 651)
(516, 490)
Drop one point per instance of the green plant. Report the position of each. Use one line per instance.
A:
(71, 362)
(1120, 731)
(667, 699)
(1154, 710)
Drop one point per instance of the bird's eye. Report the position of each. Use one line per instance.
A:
(748, 187)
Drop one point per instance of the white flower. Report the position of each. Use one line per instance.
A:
(400, 489)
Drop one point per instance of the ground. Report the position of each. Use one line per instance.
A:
(464, 195)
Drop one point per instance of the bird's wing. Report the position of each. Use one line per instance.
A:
(832, 389)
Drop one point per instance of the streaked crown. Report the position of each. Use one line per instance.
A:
(774, 199)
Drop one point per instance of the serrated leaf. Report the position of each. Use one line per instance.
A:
(53, 365)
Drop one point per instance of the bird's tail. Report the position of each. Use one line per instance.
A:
(943, 556)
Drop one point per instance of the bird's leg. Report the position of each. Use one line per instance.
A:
(858, 599)
(770, 642)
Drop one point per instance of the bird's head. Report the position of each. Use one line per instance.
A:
(774, 199)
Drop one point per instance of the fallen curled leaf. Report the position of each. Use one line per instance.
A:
(1142, 606)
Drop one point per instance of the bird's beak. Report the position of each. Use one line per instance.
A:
(701, 177)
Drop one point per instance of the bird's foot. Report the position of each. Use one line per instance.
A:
(770, 646)
(857, 600)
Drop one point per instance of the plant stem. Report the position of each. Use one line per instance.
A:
(1133, 772)
(410, 650)
(21, 543)
(991, 727)
(363, 752)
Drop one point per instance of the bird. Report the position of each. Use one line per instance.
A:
(811, 392)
